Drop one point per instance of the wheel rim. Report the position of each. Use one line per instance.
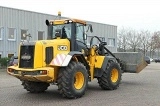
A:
(114, 75)
(78, 80)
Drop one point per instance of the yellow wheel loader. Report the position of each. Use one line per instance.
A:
(64, 59)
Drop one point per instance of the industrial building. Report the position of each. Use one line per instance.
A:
(14, 23)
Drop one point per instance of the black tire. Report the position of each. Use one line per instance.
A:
(67, 80)
(105, 81)
(35, 87)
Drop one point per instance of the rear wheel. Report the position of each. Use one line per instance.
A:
(35, 87)
(72, 80)
(111, 77)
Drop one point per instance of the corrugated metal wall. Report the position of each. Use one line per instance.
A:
(34, 22)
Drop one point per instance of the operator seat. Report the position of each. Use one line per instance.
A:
(64, 35)
(58, 33)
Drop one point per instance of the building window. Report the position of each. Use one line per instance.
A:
(1, 33)
(23, 34)
(40, 35)
(103, 39)
(10, 55)
(11, 34)
(111, 42)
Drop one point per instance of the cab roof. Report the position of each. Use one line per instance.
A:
(63, 21)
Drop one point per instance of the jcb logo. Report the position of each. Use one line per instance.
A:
(62, 47)
(25, 57)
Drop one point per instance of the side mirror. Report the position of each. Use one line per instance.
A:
(91, 29)
(47, 22)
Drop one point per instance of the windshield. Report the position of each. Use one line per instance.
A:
(65, 28)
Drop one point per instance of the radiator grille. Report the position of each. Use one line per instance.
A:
(27, 56)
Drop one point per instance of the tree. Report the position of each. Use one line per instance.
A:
(156, 41)
(133, 39)
(122, 40)
(151, 47)
(145, 40)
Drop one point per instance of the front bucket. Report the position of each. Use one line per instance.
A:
(133, 61)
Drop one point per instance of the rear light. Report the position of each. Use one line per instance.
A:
(43, 72)
(15, 64)
(10, 70)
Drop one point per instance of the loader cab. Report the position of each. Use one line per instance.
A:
(71, 29)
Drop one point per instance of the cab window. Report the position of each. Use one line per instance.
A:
(79, 31)
(66, 28)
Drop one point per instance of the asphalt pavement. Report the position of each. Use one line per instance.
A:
(142, 89)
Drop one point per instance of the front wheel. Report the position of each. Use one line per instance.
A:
(35, 87)
(111, 77)
(72, 80)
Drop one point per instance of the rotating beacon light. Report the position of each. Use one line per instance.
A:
(59, 15)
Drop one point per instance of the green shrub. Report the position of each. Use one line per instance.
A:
(4, 61)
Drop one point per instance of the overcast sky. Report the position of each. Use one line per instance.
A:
(136, 14)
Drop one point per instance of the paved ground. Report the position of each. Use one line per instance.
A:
(141, 89)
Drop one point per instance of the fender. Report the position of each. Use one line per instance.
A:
(99, 71)
(80, 57)
(106, 59)
(64, 59)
